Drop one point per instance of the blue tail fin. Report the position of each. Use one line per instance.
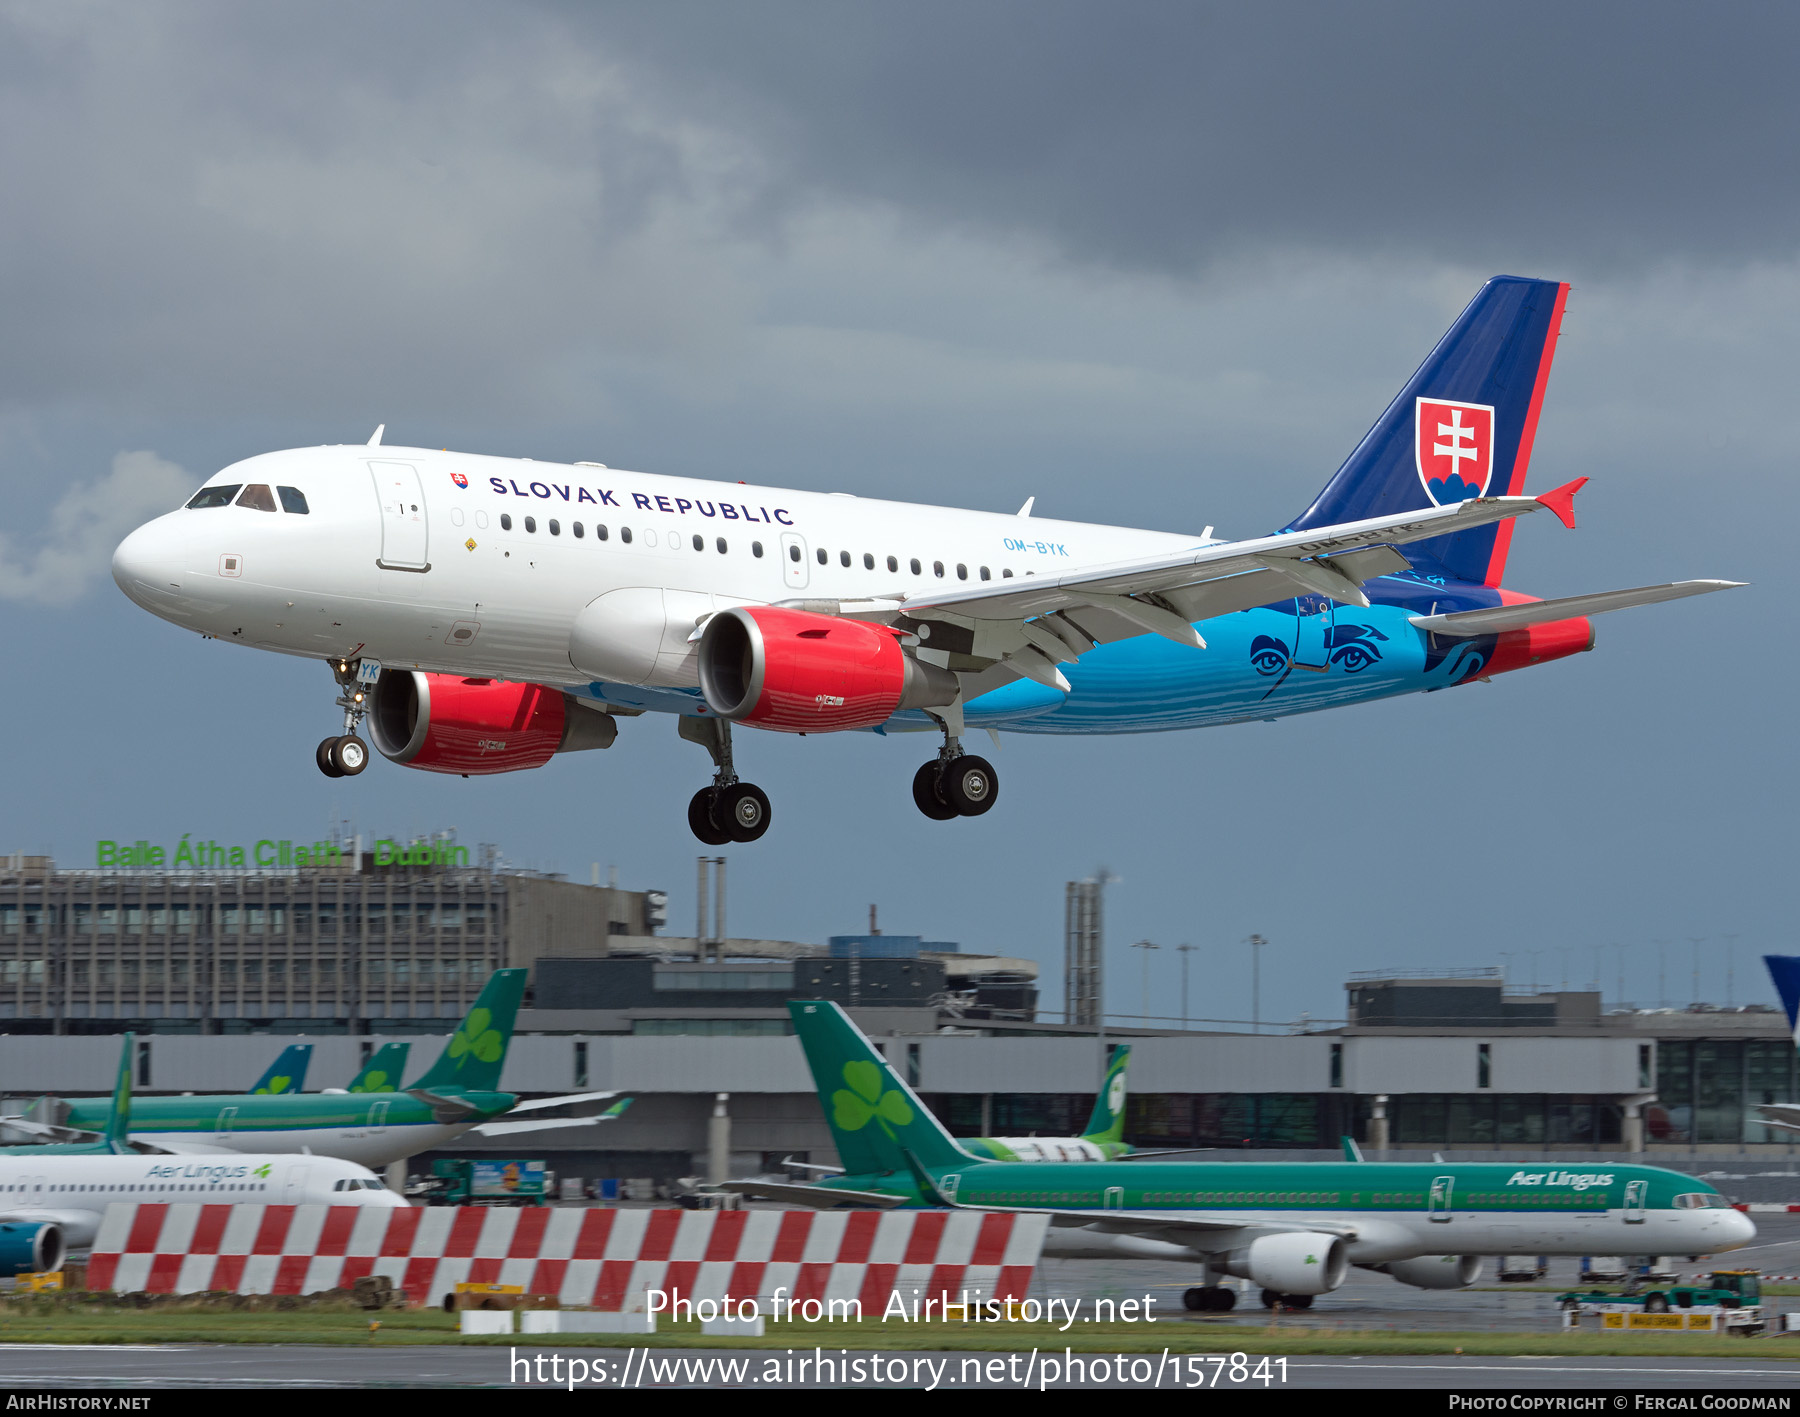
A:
(1462, 427)
(1785, 971)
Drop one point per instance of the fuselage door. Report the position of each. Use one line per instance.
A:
(34, 1190)
(1634, 1201)
(296, 1183)
(1442, 1190)
(1114, 1198)
(378, 1115)
(794, 570)
(405, 544)
(226, 1121)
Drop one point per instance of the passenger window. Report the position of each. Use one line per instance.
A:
(555, 527)
(793, 553)
(293, 500)
(893, 563)
(699, 542)
(984, 574)
(530, 523)
(915, 567)
(576, 528)
(823, 558)
(600, 532)
(258, 497)
(937, 568)
(1006, 574)
(844, 558)
(868, 562)
(506, 521)
(962, 571)
(721, 545)
(215, 496)
(756, 548)
(625, 535)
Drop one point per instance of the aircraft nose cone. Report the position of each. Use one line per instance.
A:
(1740, 1229)
(144, 568)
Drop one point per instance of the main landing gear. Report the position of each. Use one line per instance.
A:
(955, 783)
(729, 810)
(1209, 1299)
(347, 755)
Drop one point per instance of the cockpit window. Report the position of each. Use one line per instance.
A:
(215, 496)
(1702, 1200)
(257, 497)
(293, 500)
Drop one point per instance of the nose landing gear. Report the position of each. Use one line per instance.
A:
(347, 755)
(729, 810)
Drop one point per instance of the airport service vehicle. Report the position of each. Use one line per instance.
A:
(1522, 1269)
(1293, 1228)
(483, 614)
(459, 1180)
(1734, 1295)
(458, 1094)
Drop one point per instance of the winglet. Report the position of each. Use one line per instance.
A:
(375, 437)
(1561, 500)
(1352, 1152)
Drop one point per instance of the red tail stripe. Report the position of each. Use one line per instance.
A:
(1515, 482)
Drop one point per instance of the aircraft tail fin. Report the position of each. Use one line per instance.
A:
(875, 1118)
(476, 1052)
(117, 1136)
(383, 1071)
(1462, 427)
(1785, 971)
(1352, 1152)
(1107, 1124)
(287, 1073)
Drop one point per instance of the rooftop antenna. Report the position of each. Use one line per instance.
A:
(1256, 943)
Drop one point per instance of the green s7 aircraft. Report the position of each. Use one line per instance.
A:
(458, 1094)
(1293, 1228)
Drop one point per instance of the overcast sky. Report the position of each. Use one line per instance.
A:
(1153, 264)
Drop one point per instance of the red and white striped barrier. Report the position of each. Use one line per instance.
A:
(599, 1258)
(1768, 1206)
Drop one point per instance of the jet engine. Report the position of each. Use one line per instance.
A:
(30, 1247)
(1304, 1262)
(446, 723)
(1435, 1271)
(799, 672)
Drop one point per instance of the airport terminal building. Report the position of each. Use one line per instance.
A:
(220, 967)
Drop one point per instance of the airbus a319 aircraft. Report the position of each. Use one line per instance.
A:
(483, 614)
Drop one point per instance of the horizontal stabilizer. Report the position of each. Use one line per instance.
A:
(1463, 623)
(538, 1104)
(538, 1124)
(816, 1197)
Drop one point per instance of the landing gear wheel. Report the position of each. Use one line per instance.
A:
(1208, 1299)
(1271, 1299)
(1297, 1301)
(323, 758)
(926, 795)
(968, 784)
(700, 821)
(349, 755)
(742, 810)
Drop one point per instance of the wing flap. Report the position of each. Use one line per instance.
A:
(1500, 618)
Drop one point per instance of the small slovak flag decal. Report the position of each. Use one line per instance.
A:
(1454, 443)
(460, 479)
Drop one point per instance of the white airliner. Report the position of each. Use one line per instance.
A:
(69, 1194)
(483, 614)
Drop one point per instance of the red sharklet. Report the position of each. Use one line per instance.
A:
(1561, 500)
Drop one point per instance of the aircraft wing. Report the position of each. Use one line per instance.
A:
(1029, 625)
(572, 1097)
(817, 1197)
(1462, 623)
(177, 1148)
(507, 1129)
(1780, 1114)
(45, 1131)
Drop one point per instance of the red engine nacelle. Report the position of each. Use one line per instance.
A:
(798, 672)
(445, 723)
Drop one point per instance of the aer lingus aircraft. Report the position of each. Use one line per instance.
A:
(287, 1073)
(482, 614)
(458, 1094)
(1293, 1228)
(52, 1197)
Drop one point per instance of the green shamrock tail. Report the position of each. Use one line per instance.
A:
(287, 1073)
(875, 1118)
(1107, 1125)
(383, 1070)
(477, 1050)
